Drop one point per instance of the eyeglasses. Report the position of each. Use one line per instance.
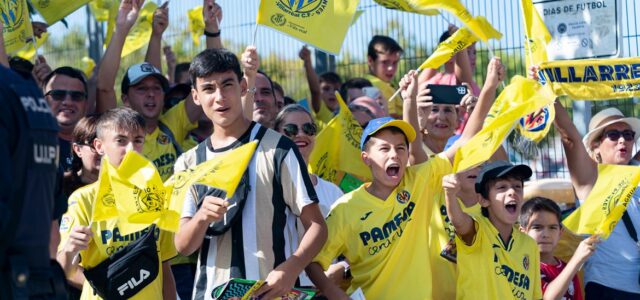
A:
(88, 145)
(60, 95)
(291, 130)
(614, 135)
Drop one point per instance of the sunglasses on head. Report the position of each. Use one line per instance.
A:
(615, 135)
(60, 95)
(291, 130)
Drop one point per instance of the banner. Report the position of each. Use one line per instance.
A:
(537, 35)
(196, 24)
(405, 5)
(55, 10)
(338, 148)
(524, 96)
(593, 79)
(460, 40)
(17, 31)
(141, 30)
(323, 24)
(606, 202)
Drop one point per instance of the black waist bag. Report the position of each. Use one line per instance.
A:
(129, 270)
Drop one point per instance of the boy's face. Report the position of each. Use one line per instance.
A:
(219, 95)
(385, 65)
(328, 94)
(146, 97)
(387, 156)
(505, 201)
(544, 227)
(468, 182)
(116, 143)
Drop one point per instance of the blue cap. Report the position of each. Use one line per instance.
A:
(138, 72)
(380, 123)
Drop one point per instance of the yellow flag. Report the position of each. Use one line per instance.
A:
(196, 24)
(55, 10)
(17, 32)
(104, 207)
(526, 97)
(356, 16)
(29, 52)
(607, 201)
(111, 22)
(100, 9)
(535, 126)
(141, 30)
(537, 35)
(405, 5)
(310, 21)
(478, 25)
(88, 64)
(338, 148)
(460, 40)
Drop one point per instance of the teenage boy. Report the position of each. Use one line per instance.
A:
(324, 103)
(540, 219)
(118, 130)
(263, 242)
(382, 228)
(495, 259)
(383, 55)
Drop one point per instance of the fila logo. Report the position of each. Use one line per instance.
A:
(132, 283)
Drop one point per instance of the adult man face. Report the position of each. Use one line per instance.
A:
(143, 90)
(264, 107)
(66, 95)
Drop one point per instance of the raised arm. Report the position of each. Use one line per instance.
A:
(312, 79)
(170, 58)
(160, 24)
(250, 64)
(558, 287)
(108, 69)
(462, 222)
(212, 15)
(409, 92)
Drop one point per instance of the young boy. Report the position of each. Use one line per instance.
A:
(540, 219)
(495, 259)
(118, 130)
(383, 56)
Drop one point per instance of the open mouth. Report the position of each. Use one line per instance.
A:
(150, 105)
(441, 126)
(393, 170)
(222, 109)
(301, 144)
(511, 207)
(472, 177)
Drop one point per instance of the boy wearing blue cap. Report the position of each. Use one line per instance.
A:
(382, 227)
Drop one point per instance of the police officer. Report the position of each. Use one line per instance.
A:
(28, 185)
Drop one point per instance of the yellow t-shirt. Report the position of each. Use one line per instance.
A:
(157, 145)
(323, 116)
(386, 241)
(492, 269)
(106, 240)
(387, 90)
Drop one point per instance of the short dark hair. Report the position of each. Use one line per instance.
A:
(392, 129)
(212, 61)
(181, 67)
(487, 185)
(278, 87)
(330, 77)
(535, 205)
(119, 118)
(69, 72)
(288, 100)
(353, 83)
(444, 36)
(388, 44)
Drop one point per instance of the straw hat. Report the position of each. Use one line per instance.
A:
(605, 118)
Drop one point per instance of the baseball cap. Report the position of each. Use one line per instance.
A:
(376, 125)
(498, 169)
(136, 73)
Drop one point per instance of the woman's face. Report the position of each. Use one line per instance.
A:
(90, 158)
(614, 148)
(440, 120)
(297, 126)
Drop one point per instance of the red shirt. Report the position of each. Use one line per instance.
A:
(549, 273)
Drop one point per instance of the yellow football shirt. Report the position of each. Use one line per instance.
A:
(157, 145)
(386, 241)
(387, 90)
(323, 116)
(492, 269)
(107, 240)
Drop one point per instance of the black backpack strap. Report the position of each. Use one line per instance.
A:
(169, 133)
(626, 219)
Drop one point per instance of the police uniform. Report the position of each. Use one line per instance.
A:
(28, 181)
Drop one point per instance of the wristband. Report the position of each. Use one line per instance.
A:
(212, 34)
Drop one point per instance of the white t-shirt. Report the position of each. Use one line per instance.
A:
(327, 193)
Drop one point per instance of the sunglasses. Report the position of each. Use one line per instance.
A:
(291, 130)
(615, 135)
(60, 95)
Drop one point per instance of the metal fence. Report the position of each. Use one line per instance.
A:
(417, 34)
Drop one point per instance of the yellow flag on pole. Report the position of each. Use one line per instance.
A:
(55, 10)
(338, 148)
(310, 21)
(29, 51)
(196, 24)
(111, 22)
(606, 202)
(100, 9)
(538, 35)
(526, 96)
(17, 32)
(141, 30)
(405, 5)
(460, 40)
(88, 64)
(104, 207)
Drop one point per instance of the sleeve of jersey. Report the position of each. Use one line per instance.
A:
(335, 239)
(178, 122)
(430, 173)
(475, 244)
(297, 187)
(537, 281)
(76, 215)
(167, 248)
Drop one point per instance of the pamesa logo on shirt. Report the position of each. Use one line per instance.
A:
(381, 237)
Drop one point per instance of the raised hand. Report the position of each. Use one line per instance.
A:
(161, 19)
(128, 14)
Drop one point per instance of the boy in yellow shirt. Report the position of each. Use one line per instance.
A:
(495, 259)
(118, 130)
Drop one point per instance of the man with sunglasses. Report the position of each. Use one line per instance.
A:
(66, 92)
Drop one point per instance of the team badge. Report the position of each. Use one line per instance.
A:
(65, 223)
(163, 139)
(403, 197)
(525, 262)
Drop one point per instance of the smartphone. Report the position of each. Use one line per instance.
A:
(447, 94)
